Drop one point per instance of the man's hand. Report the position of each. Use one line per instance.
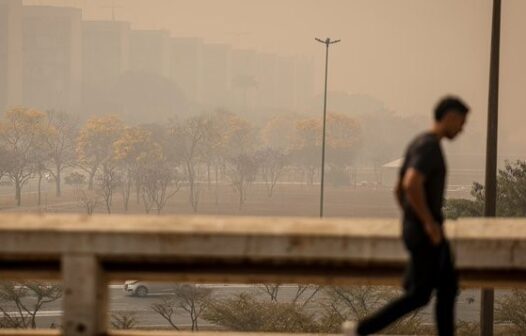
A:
(435, 233)
(413, 184)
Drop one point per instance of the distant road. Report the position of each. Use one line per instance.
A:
(468, 305)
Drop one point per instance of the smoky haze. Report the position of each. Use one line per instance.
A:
(256, 63)
(403, 53)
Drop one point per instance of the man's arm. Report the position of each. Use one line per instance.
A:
(413, 186)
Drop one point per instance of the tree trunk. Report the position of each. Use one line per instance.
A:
(91, 178)
(216, 185)
(138, 191)
(58, 181)
(18, 192)
(208, 176)
(241, 197)
(126, 193)
(39, 188)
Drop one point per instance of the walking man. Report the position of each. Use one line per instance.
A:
(420, 194)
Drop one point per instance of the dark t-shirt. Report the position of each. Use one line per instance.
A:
(425, 155)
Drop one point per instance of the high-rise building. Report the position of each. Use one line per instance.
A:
(187, 66)
(267, 81)
(150, 52)
(286, 83)
(216, 75)
(105, 50)
(10, 53)
(105, 58)
(52, 58)
(304, 83)
(244, 81)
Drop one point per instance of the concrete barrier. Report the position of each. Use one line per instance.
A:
(87, 252)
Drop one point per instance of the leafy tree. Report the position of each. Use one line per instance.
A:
(276, 132)
(238, 136)
(134, 149)
(95, 144)
(342, 143)
(60, 144)
(22, 131)
(511, 195)
(458, 208)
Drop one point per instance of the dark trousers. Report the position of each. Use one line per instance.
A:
(430, 268)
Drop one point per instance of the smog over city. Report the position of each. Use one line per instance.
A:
(255, 109)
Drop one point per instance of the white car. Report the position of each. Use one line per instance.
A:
(142, 288)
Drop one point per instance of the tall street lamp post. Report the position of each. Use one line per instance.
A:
(327, 43)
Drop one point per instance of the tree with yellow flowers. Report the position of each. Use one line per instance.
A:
(133, 150)
(60, 144)
(95, 145)
(343, 140)
(22, 133)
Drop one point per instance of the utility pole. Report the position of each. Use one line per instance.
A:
(490, 207)
(327, 43)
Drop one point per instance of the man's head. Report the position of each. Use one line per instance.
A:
(450, 116)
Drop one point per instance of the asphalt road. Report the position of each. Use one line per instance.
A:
(120, 302)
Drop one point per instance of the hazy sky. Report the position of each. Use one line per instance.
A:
(405, 53)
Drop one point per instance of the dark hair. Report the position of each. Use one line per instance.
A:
(450, 104)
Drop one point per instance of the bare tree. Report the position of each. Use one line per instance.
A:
(272, 290)
(158, 184)
(242, 173)
(88, 199)
(109, 180)
(304, 293)
(272, 162)
(28, 298)
(123, 320)
(191, 299)
(309, 290)
(191, 138)
(167, 310)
